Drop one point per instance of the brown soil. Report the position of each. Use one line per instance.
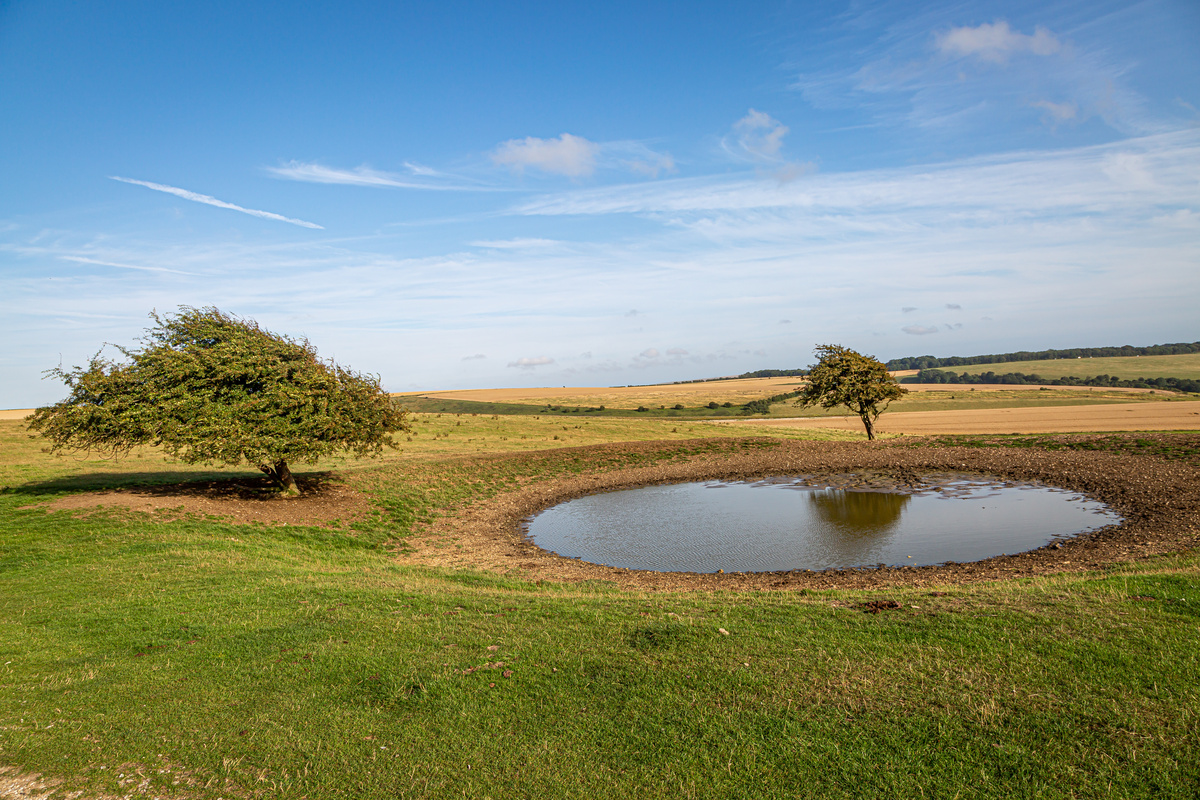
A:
(324, 500)
(1159, 500)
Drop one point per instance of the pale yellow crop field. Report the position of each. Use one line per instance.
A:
(737, 391)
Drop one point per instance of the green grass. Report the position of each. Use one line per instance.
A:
(1184, 365)
(302, 662)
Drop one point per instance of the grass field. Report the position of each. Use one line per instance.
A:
(1185, 365)
(196, 658)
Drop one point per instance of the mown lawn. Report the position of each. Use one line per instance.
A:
(202, 659)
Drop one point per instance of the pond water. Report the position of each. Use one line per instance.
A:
(788, 523)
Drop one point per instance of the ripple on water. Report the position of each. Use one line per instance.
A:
(785, 523)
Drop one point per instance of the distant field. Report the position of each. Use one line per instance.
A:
(1180, 416)
(736, 392)
(1186, 365)
(963, 399)
(576, 403)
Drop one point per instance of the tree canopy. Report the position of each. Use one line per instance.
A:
(209, 387)
(843, 377)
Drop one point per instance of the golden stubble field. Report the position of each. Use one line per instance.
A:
(689, 394)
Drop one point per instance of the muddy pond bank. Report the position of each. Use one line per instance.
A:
(1158, 499)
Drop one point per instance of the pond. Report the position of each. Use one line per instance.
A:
(778, 524)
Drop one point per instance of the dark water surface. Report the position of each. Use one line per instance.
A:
(779, 524)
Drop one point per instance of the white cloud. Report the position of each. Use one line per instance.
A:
(212, 201)
(1067, 181)
(1129, 170)
(530, 363)
(476, 357)
(996, 42)
(650, 167)
(757, 135)
(517, 244)
(677, 351)
(918, 330)
(310, 172)
(649, 352)
(1057, 112)
(954, 306)
(98, 262)
(569, 155)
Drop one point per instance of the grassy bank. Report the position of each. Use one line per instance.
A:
(202, 659)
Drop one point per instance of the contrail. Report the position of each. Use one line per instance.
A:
(212, 201)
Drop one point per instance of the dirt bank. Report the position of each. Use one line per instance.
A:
(1159, 500)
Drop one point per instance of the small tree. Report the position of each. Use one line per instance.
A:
(843, 377)
(209, 387)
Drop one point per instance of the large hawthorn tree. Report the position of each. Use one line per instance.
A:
(843, 377)
(209, 387)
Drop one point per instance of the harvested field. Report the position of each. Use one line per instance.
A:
(1159, 500)
(1180, 416)
(733, 391)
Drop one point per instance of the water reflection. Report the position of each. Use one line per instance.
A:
(853, 527)
(859, 514)
(783, 524)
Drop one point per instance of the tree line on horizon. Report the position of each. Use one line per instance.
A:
(1020, 379)
(933, 362)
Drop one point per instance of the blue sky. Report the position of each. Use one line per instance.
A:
(458, 195)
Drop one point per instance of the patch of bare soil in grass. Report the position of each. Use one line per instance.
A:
(323, 500)
(1159, 500)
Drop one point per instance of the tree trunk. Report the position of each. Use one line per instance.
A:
(866, 418)
(280, 473)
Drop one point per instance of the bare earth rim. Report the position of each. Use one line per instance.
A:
(1158, 499)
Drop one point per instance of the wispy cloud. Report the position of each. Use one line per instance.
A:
(973, 86)
(918, 330)
(1157, 170)
(1057, 113)
(311, 172)
(576, 157)
(212, 201)
(517, 244)
(997, 42)
(758, 136)
(531, 363)
(569, 155)
(100, 263)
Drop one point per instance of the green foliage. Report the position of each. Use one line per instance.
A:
(211, 388)
(843, 377)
